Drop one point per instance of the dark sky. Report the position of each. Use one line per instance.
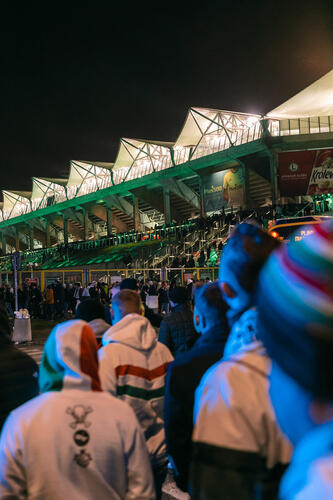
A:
(74, 81)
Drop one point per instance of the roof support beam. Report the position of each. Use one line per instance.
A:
(74, 215)
(3, 243)
(71, 228)
(154, 200)
(15, 237)
(136, 214)
(181, 190)
(110, 218)
(44, 225)
(126, 207)
(166, 203)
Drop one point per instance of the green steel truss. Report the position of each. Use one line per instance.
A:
(210, 139)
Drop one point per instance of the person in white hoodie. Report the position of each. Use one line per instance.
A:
(73, 441)
(133, 366)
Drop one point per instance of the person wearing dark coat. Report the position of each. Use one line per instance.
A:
(35, 300)
(185, 373)
(18, 372)
(177, 330)
(59, 299)
(132, 284)
(191, 262)
(163, 298)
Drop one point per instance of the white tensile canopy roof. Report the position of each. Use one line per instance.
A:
(140, 157)
(15, 203)
(86, 177)
(11, 198)
(45, 187)
(207, 131)
(315, 100)
(202, 121)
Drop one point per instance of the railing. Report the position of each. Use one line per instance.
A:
(167, 273)
(298, 126)
(85, 276)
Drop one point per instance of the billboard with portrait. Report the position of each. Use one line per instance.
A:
(224, 189)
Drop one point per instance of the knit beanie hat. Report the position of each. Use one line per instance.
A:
(246, 251)
(90, 309)
(129, 284)
(295, 309)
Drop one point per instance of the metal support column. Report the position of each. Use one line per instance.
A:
(202, 198)
(247, 199)
(136, 214)
(108, 218)
(166, 201)
(48, 234)
(31, 237)
(273, 167)
(86, 224)
(17, 239)
(3, 243)
(65, 223)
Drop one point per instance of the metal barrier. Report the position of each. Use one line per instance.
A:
(162, 274)
(109, 276)
(44, 278)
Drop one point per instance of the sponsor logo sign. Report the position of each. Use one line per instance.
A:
(306, 173)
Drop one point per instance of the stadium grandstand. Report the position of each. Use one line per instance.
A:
(170, 205)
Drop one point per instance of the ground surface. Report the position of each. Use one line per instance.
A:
(40, 331)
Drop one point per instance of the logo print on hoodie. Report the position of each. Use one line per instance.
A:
(79, 413)
(82, 458)
(81, 437)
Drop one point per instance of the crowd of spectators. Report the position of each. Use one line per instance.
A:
(227, 383)
(60, 300)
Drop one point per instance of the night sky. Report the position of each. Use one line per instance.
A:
(74, 81)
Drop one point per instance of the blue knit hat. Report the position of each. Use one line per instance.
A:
(295, 306)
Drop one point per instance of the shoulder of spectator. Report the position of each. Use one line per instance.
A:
(165, 351)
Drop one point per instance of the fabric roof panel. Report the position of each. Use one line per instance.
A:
(314, 100)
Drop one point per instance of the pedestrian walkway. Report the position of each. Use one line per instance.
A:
(34, 349)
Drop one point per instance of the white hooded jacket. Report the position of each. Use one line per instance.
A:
(73, 441)
(132, 366)
(235, 428)
(99, 327)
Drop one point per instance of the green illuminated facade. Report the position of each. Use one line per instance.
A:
(154, 183)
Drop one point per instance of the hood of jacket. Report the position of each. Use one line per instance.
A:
(99, 326)
(70, 358)
(243, 332)
(134, 331)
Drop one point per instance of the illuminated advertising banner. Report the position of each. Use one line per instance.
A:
(224, 189)
(306, 172)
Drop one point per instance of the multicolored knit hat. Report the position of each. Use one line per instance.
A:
(295, 306)
(70, 359)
